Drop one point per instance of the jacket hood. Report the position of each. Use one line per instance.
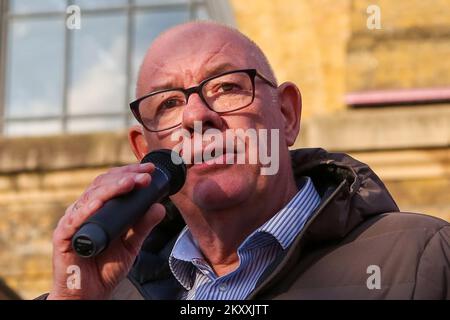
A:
(351, 193)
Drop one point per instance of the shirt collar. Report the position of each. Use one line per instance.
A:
(289, 221)
(184, 253)
(283, 227)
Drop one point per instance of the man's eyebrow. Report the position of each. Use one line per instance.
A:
(210, 72)
(220, 68)
(162, 86)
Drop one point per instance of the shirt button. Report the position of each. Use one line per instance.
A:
(223, 287)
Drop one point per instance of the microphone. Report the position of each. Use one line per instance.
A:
(120, 213)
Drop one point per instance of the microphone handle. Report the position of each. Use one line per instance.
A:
(118, 215)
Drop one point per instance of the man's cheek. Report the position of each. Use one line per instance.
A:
(162, 140)
(269, 151)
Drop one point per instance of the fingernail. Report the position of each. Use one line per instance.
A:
(140, 177)
(147, 165)
(123, 181)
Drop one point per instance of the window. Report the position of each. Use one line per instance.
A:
(56, 80)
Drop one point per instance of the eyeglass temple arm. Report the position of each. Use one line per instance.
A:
(266, 80)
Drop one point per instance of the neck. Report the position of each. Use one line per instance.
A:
(219, 234)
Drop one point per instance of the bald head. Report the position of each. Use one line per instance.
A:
(193, 38)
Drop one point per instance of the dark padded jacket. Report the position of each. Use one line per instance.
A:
(356, 245)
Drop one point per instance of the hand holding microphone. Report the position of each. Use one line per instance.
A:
(119, 214)
(112, 217)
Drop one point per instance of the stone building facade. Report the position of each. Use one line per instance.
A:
(326, 48)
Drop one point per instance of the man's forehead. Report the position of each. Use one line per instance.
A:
(209, 46)
(176, 57)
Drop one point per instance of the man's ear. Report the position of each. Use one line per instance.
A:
(137, 141)
(291, 109)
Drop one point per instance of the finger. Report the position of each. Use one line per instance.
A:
(134, 238)
(140, 178)
(116, 187)
(137, 167)
(66, 218)
(69, 224)
(92, 200)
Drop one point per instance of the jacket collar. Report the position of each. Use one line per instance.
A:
(362, 194)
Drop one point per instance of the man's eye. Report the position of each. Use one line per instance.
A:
(228, 87)
(170, 103)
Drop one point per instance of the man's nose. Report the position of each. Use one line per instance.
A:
(197, 110)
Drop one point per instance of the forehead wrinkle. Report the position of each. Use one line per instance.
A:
(146, 66)
(151, 67)
(168, 76)
(217, 52)
(249, 51)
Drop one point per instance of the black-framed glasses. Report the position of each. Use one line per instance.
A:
(230, 91)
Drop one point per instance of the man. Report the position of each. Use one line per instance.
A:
(323, 227)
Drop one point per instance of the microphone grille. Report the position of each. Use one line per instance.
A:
(162, 159)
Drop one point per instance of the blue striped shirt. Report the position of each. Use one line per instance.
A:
(255, 254)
